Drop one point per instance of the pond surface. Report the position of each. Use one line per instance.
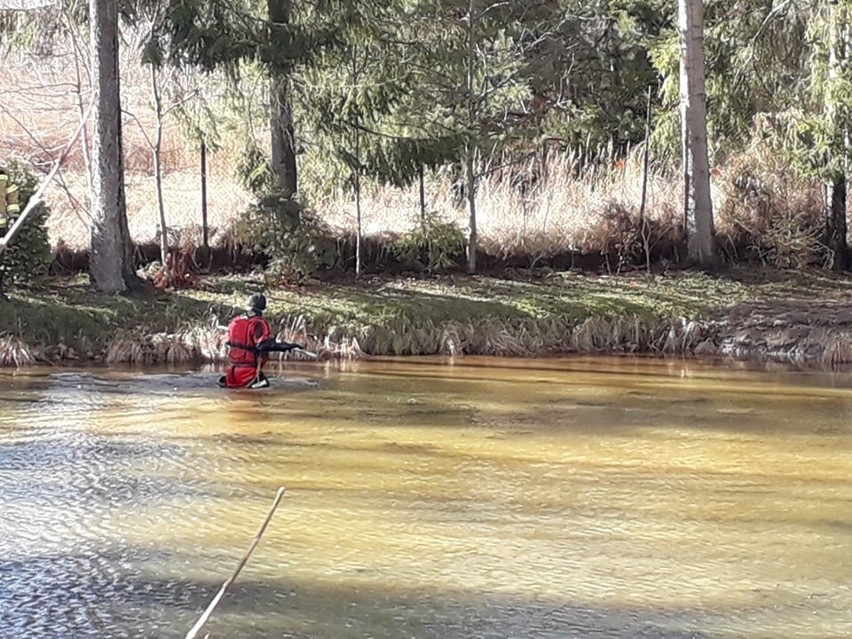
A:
(484, 498)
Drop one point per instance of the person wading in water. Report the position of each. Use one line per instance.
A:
(250, 341)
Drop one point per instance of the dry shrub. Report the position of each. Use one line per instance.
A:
(127, 347)
(537, 210)
(837, 350)
(14, 352)
(626, 239)
(179, 271)
(333, 345)
(770, 211)
(195, 344)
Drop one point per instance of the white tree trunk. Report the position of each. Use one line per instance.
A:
(698, 207)
(157, 156)
(836, 188)
(111, 254)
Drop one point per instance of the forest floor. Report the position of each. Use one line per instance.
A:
(799, 317)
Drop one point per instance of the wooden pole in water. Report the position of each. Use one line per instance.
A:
(206, 616)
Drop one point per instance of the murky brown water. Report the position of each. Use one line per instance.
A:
(572, 498)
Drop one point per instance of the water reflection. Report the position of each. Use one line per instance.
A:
(521, 498)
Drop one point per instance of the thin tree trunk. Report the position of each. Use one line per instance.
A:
(646, 156)
(357, 171)
(698, 213)
(112, 256)
(470, 148)
(422, 180)
(836, 189)
(205, 232)
(471, 203)
(281, 112)
(156, 151)
(78, 54)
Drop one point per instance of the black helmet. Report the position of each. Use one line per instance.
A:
(257, 302)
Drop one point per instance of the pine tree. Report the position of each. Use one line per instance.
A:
(111, 252)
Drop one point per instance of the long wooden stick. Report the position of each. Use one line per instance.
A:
(36, 198)
(204, 618)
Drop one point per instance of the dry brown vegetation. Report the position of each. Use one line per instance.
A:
(532, 210)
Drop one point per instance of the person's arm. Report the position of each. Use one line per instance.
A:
(271, 346)
(267, 344)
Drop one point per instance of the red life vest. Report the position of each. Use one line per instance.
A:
(243, 338)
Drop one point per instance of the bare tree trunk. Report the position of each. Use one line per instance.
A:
(646, 156)
(698, 208)
(836, 222)
(836, 190)
(78, 56)
(281, 111)
(422, 180)
(205, 232)
(112, 256)
(471, 204)
(470, 148)
(357, 172)
(156, 152)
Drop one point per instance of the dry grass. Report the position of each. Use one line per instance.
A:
(534, 210)
(15, 353)
(208, 344)
(559, 209)
(771, 211)
(196, 344)
(39, 108)
(771, 316)
(564, 209)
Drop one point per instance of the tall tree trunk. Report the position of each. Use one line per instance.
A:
(156, 152)
(357, 175)
(836, 222)
(836, 188)
(471, 204)
(470, 147)
(698, 208)
(422, 182)
(112, 254)
(281, 111)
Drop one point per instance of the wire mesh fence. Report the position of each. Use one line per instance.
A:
(531, 208)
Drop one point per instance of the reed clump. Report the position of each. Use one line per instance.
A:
(14, 352)
(192, 345)
(501, 337)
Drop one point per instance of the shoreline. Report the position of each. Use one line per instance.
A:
(788, 318)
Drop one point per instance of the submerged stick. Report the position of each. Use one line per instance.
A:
(308, 353)
(203, 619)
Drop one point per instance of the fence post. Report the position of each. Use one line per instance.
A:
(204, 231)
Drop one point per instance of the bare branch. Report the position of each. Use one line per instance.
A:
(36, 198)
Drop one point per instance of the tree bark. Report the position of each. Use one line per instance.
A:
(836, 223)
(157, 157)
(111, 266)
(698, 207)
(281, 111)
(470, 149)
(473, 240)
(836, 188)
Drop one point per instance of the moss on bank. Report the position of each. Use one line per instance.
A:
(681, 313)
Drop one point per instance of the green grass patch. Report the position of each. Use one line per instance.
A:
(401, 315)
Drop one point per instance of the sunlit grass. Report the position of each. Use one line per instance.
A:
(456, 315)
